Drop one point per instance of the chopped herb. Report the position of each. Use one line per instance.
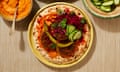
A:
(63, 23)
(72, 13)
(53, 46)
(83, 21)
(54, 25)
(60, 11)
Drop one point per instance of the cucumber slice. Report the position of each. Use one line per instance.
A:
(107, 3)
(98, 7)
(95, 0)
(69, 29)
(106, 0)
(106, 8)
(98, 3)
(72, 35)
(77, 35)
(116, 2)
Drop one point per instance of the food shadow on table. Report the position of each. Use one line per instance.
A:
(83, 62)
(23, 24)
(22, 42)
(50, 1)
(110, 25)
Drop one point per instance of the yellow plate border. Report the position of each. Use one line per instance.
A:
(37, 53)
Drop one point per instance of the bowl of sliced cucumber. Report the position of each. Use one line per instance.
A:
(103, 8)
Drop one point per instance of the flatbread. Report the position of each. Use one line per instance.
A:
(81, 45)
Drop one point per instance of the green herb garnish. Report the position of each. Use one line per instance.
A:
(63, 23)
(54, 25)
(53, 46)
(83, 21)
(72, 13)
(60, 11)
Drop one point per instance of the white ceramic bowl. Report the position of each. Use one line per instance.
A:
(97, 12)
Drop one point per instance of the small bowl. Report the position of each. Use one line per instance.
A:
(97, 12)
(32, 41)
(8, 10)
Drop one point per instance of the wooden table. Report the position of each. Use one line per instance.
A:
(16, 56)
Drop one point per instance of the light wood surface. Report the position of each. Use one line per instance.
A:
(16, 56)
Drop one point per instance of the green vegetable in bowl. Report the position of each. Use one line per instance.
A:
(97, 3)
(106, 5)
(105, 8)
(116, 2)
